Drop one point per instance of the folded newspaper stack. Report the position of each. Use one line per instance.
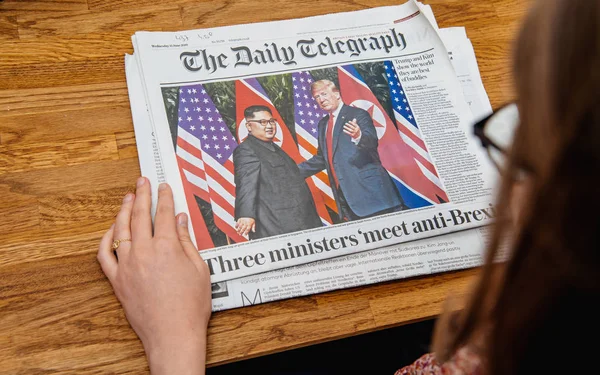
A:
(336, 153)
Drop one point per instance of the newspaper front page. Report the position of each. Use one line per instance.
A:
(396, 84)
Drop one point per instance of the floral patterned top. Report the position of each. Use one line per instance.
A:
(464, 362)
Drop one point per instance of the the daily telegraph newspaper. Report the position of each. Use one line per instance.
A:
(318, 153)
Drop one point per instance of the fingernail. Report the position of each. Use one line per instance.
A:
(182, 219)
(162, 186)
(128, 198)
(140, 181)
(112, 226)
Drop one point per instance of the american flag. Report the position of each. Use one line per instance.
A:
(307, 115)
(204, 148)
(409, 131)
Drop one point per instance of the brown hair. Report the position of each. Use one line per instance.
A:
(526, 315)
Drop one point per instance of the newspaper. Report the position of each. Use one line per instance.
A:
(433, 126)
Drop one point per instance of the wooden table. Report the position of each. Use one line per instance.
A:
(68, 155)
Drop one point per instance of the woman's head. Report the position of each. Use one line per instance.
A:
(540, 296)
(557, 77)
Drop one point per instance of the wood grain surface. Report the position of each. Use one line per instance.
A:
(68, 155)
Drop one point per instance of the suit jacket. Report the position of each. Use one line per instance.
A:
(270, 189)
(367, 186)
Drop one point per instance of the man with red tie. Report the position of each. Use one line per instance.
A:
(348, 151)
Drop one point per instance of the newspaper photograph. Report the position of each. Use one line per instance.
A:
(282, 162)
(273, 178)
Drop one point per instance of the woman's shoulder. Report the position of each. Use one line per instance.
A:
(426, 365)
(464, 362)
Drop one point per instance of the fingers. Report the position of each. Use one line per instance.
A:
(122, 228)
(106, 257)
(352, 129)
(141, 221)
(164, 222)
(244, 229)
(184, 238)
(248, 225)
(241, 228)
(244, 225)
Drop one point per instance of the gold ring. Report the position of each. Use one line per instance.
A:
(116, 243)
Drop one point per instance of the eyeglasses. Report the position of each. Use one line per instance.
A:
(496, 133)
(264, 123)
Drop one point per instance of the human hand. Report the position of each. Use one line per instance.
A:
(352, 129)
(244, 225)
(161, 281)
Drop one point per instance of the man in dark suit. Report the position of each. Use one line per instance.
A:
(271, 197)
(348, 151)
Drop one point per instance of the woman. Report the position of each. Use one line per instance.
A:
(525, 315)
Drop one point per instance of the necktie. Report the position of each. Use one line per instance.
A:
(329, 140)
